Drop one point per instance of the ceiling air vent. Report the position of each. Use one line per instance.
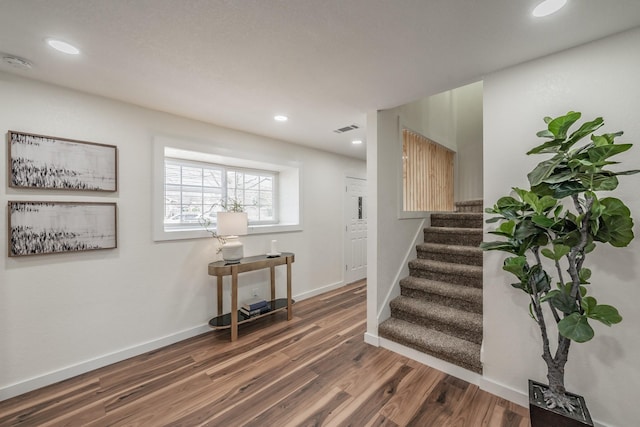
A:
(347, 129)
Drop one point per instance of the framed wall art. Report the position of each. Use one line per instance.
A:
(45, 162)
(37, 228)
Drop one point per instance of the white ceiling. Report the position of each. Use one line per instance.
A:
(324, 63)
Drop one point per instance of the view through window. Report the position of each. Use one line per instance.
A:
(195, 191)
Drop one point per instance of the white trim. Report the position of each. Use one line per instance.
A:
(318, 291)
(501, 390)
(53, 377)
(372, 339)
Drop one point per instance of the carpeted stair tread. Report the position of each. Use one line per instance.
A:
(460, 323)
(446, 267)
(446, 347)
(453, 235)
(463, 297)
(461, 274)
(457, 219)
(471, 255)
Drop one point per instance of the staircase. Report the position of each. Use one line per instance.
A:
(439, 310)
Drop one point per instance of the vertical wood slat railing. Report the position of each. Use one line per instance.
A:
(427, 174)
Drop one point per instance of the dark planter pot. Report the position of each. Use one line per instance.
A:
(541, 416)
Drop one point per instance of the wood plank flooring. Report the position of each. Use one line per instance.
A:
(314, 370)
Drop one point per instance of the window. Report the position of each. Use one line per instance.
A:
(427, 174)
(195, 191)
(192, 179)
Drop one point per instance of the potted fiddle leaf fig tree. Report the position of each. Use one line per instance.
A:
(549, 231)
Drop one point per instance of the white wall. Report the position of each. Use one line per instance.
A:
(598, 79)
(467, 102)
(65, 313)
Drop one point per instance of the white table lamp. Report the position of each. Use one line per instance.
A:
(231, 225)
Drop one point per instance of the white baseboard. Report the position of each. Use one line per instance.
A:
(372, 339)
(318, 291)
(518, 397)
(425, 359)
(53, 377)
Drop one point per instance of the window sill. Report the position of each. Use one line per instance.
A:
(193, 233)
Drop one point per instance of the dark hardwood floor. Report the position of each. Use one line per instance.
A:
(314, 370)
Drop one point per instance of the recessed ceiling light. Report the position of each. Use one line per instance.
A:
(547, 7)
(280, 118)
(356, 142)
(64, 47)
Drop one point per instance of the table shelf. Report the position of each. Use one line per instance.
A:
(224, 321)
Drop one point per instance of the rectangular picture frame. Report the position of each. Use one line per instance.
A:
(44, 227)
(52, 163)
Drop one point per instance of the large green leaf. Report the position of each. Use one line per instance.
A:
(575, 327)
(598, 154)
(539, 278)
(629, 172)
(544, 170)
(615, 230)
(516, 266)
(542, 189)
(542, 221)
(599, 182)
(560, 125)
(568, 188)
(585, 275)
(561, 175)
(547, 147)
(605, 139)
(606, 314)
(616, 225)
(505, 229)
(584, 130)
(526, 229)
(563, 302)
(499, 246)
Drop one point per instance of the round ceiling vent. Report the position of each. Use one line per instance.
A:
(16, 62)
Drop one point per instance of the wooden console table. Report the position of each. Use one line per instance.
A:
(234, 318)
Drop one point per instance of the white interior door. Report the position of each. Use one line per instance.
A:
(355, 230)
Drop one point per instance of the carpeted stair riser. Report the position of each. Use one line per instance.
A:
(457, 219)
(470, 206)
(462, 297)
(454, 350)
(468, 255)
(453, 236)
(450, 321)
(458, 274)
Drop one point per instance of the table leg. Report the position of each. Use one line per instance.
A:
(273, 282)
(289, 304)
(219, 295)
(234, 303)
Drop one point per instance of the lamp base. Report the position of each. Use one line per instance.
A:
(232, 250)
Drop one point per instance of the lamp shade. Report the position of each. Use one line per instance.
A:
(232, 223)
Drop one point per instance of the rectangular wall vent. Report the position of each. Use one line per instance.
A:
(347, 129)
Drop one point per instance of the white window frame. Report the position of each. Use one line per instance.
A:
(288, 182)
